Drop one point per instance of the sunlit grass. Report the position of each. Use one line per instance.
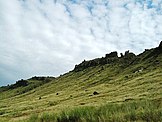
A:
(150, 111)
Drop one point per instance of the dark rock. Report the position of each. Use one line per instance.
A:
(160, 47)
(146, 50)
(160, 44)
(112, 55)
(95, 93)
(57, 93)
(129, 55)
(156, 51)
(126, 53)
(40, 98)
(121, 54)
(102, 61)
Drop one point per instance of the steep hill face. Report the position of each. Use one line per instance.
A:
(110, 79)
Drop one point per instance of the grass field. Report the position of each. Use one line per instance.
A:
(150, 111)
(124, 93)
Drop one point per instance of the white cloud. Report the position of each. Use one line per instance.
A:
(50, 37)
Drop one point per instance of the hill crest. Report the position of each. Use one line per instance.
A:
(126, 59)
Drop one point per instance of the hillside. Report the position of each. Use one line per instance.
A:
(108, 80)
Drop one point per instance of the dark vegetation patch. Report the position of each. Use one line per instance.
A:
(19, 83)
(42, 78)
(26, 85)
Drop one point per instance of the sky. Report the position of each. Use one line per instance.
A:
(49, 37)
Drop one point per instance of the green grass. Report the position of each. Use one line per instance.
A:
(146, 111)
(76, 90)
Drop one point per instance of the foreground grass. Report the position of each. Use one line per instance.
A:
(149, 111)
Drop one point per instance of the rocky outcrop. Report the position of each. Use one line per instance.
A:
(129, 55)
(160, 46)
(124, 60)
(112, 55)
(108, 59)
(157, 50)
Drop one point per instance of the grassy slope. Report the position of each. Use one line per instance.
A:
(114, 84)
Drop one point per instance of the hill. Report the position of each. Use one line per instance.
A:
(111, 88)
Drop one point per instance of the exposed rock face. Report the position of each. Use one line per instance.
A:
(121, 54)
(110, 58)
(112, 55)
(157, 50)
(160, 44)
(129, 55)
(126, 53)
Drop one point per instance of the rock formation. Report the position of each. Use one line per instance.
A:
(112, 55)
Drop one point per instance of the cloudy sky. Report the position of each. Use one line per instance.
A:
(48, 37)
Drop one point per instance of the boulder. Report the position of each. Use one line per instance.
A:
(95, 93)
